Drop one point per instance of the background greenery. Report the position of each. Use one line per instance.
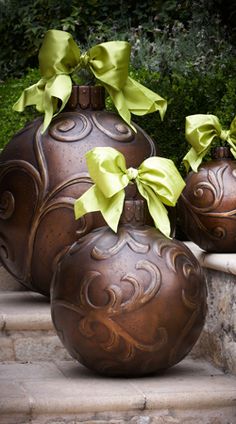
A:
(183, 50)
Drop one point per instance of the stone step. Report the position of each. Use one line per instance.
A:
(58, 392)
(41, 384)
(27, 332)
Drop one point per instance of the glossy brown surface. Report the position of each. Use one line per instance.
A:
(42, 175)
(207, 206)
(130, 303)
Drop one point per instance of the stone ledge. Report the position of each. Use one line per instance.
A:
(24, 311)
(53, 392)
(27, 332)
(224, 262)
(217, 342)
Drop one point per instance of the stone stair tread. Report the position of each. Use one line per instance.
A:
(59, 390)
(24, 310)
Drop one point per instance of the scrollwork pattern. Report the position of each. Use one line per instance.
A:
(7, 205)
(124, 237)
(106, 314)
(69, 130)
(47, 201)
(119, 299)
(119, 131)
(179, 260)
(194, 215)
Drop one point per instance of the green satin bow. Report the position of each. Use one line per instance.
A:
(60, 56)
(157, 179)
(200, 131)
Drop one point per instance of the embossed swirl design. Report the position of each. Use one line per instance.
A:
(120, 130)
(115, 305)
(7, 205)
(193, 295)
(214, 185)
(119, 342)
(47, 201)
(68, 130)
(125, 237)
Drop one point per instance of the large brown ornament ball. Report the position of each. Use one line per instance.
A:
(128, 304)
(41, 175)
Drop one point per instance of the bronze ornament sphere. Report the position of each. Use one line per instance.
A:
(41, 175)
(207, 205)
(131, 303)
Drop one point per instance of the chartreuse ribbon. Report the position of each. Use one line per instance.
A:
(60, 56)
(200, 131)
(157, 179)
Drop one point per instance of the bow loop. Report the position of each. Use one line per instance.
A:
(107, 170)
(200, 131)
(108, 62)
(59, 54)
(157, 179)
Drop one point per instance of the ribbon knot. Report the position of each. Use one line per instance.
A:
(200, 131)
(84, 60)
(157, 179)
(60, 56)
(224, 134)
(132, 173)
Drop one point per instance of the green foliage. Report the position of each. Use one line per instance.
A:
(180, 49)
(23, 25)
(214, 93)
(10, 91)
(146, 24)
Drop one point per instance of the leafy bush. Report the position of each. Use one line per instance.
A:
(23, 25)
(189, 60)
(10, 91)
(214, 93)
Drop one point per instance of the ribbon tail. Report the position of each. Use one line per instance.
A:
(94, 200)
(32, 95)
(57, 88)
(193, 159)
(141, 100)
(119, 101)
(45, 95)
(88, 202)
(157, 210)
(137, 99)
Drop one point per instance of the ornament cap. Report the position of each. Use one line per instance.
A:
(221, 152)
(87, 97)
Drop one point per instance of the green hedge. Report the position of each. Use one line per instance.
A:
(214, 93)
(24, 23)
(10, 91)
(184, 53)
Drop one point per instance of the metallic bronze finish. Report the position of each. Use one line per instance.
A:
(207, 206)
(42, 175)
(131, 303)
